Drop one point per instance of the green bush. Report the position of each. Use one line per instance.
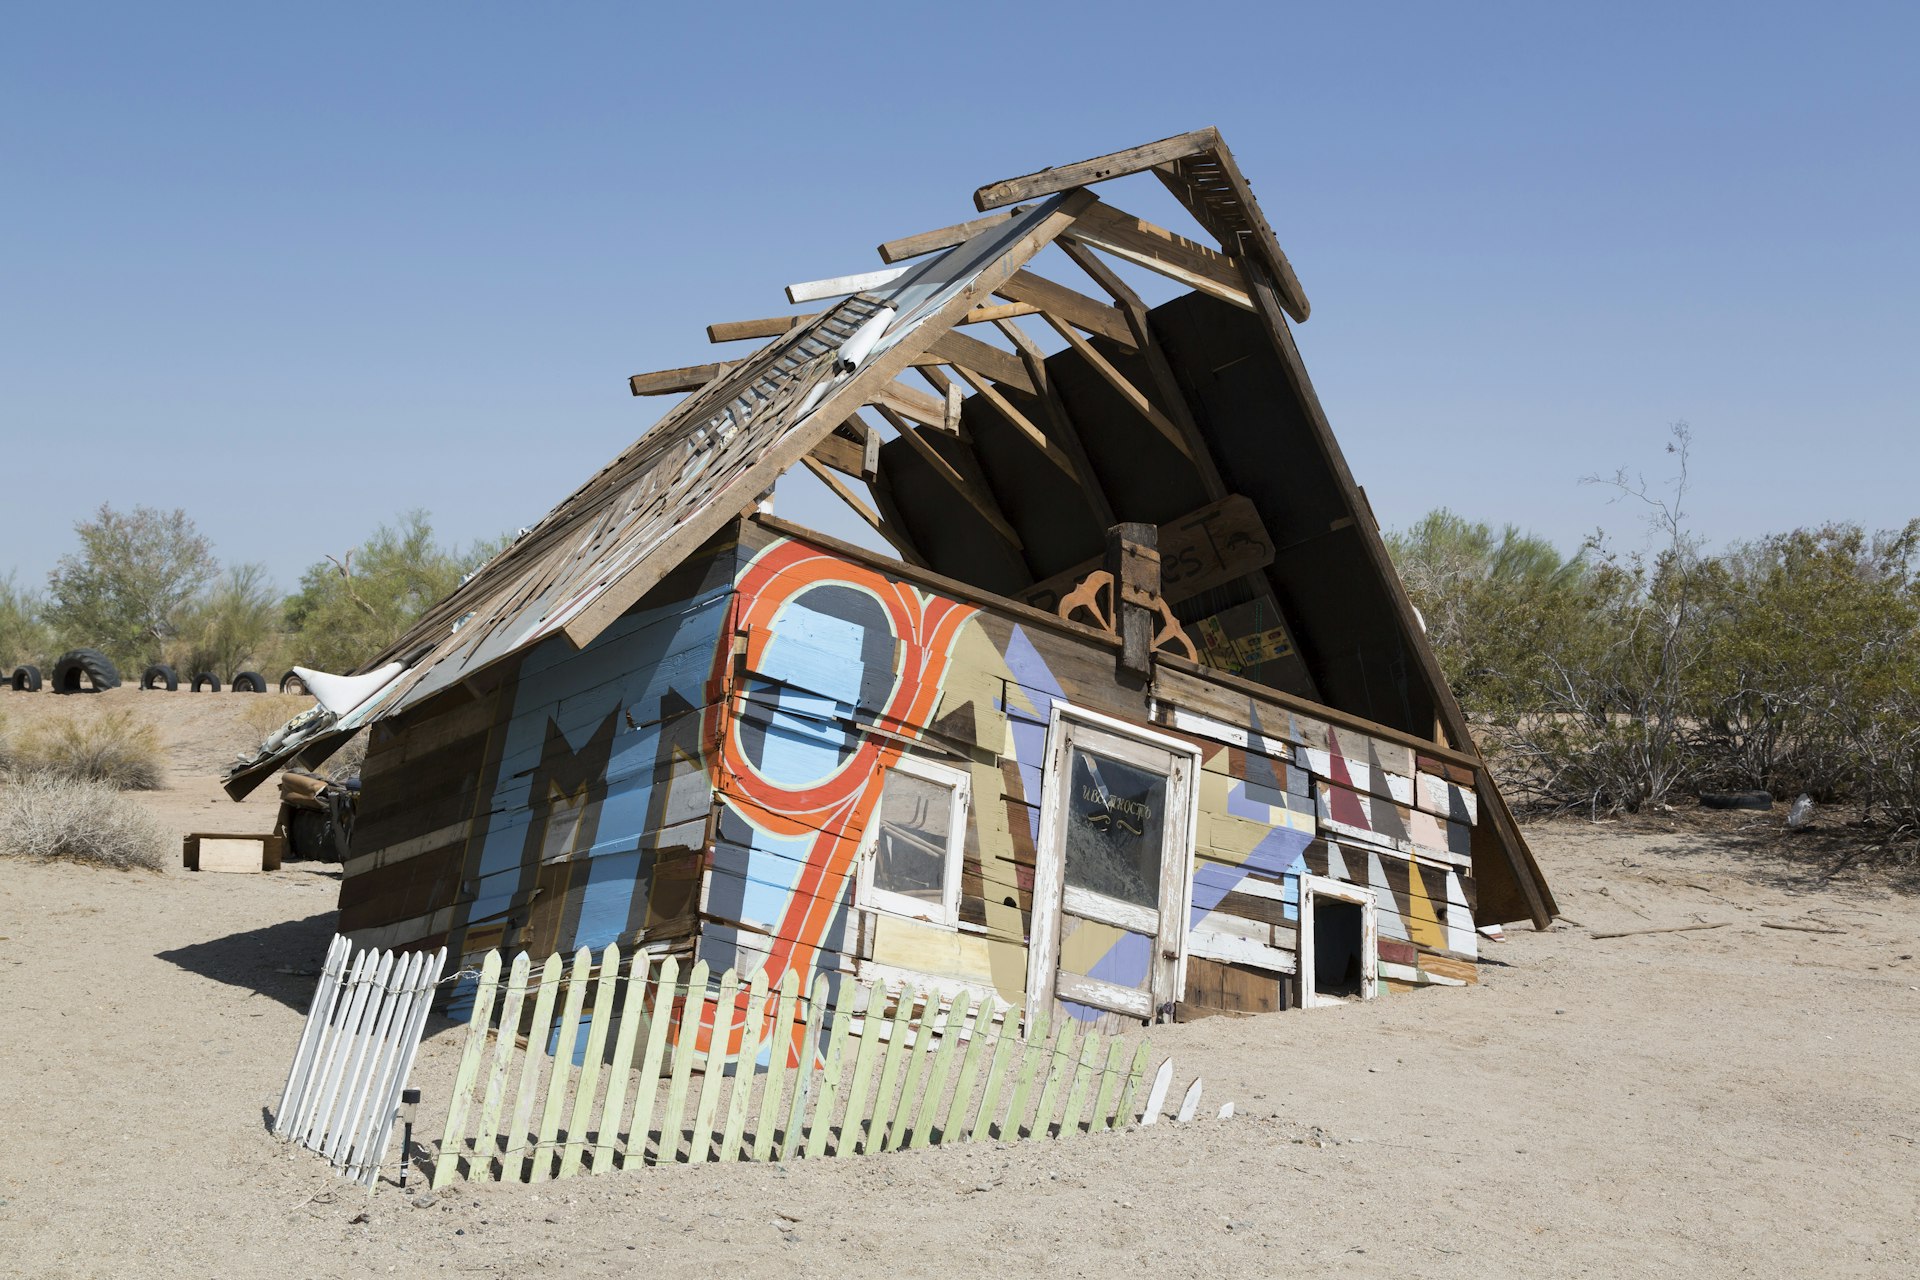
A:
(46, 818)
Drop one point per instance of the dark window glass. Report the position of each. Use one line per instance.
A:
(1115, 818)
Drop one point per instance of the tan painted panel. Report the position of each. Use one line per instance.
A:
(944, 953)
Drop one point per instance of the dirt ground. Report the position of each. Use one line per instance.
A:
(1743, 1100)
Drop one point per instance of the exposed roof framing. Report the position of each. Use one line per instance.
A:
(1196, 416)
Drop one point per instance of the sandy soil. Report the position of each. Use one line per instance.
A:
(1735, 1101)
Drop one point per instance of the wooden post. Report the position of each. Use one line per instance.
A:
(1133, 558)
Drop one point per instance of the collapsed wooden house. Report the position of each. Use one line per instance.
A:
(1135, 717)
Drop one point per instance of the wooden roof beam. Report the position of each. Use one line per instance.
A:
(1068, 304)
(1135, 398)
(774, 326)
(1064, 430)
(944, 238)
(1099, 169)
(1157, 367)
(972, 488)
(909, 402)
(1156, 249)
(902, 546)
(1024, 425)
(983, 358)
(676, 381)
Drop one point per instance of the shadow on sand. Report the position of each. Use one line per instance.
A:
(281, 961)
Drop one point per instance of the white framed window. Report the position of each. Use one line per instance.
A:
(1339, 943)
(910, 859)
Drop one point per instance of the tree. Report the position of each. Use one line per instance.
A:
(349, 608)
(227, 628)
(121, 592)
(23, 632)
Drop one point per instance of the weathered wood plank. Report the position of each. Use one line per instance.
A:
(1099, 169)
(692, 1011)
(659, 1018)
(805, 1083)
(540, 1165)
(1083, 1077)
(458, 1101)
(779, 1046)
(667, 382)
(1112, 1077)
(943, 1057)
(1123, 1109)
(820, 1129)
(619, 1072)
(943, 238)
(1038, 1029)
(1060, 1064)
(713, 1069)
(487, 1139)
(587, 1085)
(852, 1128)
(952, 1126)
(517, 1148)
(752, 1036)
(899, 1034)
(1003, 1052)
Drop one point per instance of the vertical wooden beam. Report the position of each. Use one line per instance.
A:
(1133, 559)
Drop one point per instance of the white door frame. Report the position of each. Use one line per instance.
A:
(1312, 887)
(1049, 878)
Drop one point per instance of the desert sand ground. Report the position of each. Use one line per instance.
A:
(1739, 1101)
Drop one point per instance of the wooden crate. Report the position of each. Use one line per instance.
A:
(222, 851)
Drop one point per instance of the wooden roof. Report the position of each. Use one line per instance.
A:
(1005, 465)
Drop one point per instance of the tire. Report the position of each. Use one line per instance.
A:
(26, 679)
(160, 676)
(249, 682)
(84, 671)
(310, 832)
(291, 683)
(206, 680)
(1735, 800)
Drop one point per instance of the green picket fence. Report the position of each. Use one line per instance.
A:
(596, 1066)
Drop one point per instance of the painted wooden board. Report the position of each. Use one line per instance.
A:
(752, 1038)
(587, 1087)
(659, 1017)
(951, 1129)
(713, 1072)
(455, 1134)
(672, 1123)
(560, 1071)
(779, 1046)
(633, 1014)
(900, 1034)
(950, 1035)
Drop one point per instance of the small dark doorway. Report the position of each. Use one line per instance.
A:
(1339, 948)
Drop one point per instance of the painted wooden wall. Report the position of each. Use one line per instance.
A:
(701, 776)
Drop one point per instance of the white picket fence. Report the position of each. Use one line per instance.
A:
(362, 1033)
(570, 1085)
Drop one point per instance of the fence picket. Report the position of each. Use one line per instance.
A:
(996, 1076)
(745, 1064)
(1190, 1103)
(1123, 1109)
(899, 1032)
(922, 1131)
(619, 1071)
(539, 1032)
(712, 1069)
(779, 1045)
(692, 1011)
(363, 1078)
(346, 1017)
(560, 1069)
(821, 1127)
(487, 1140)
(589, 1082)
(331, 971)
(969, 1072)
(411, 1022)
(1059, 1066)
(457, 1103)
(1083, 1076)
(1157, 1096)
(790, 1138)
(1038, 1029)
(853, 1125)
(1111, 1078)
(659, 1018)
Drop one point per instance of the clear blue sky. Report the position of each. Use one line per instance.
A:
(247, 249)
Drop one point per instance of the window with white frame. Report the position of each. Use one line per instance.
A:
(910, 863)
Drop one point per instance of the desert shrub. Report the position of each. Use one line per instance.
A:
(24, 637)
(112, 749)
(47, 817)
(348, 609)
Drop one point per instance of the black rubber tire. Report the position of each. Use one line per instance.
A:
(206, 680)
(84, 671)
(292, 683)
(26, 680)
(1735, 800)
(160, 676)
(310, 832)
(249, 682)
